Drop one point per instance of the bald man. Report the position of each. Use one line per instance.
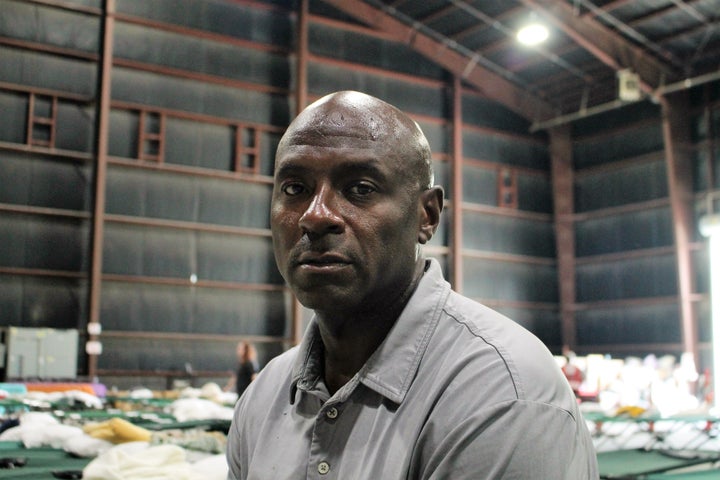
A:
(397, 376)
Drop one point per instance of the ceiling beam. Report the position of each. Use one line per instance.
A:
(466, 67)
(604, 43)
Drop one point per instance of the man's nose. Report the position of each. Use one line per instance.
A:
(321, 216)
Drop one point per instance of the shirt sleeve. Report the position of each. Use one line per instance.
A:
(514, 440)
(234, 453)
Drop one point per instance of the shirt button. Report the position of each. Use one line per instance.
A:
(332, 412)
(323, 468)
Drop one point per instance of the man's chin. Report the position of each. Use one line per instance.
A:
(325, 299)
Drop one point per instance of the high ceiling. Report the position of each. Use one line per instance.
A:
(669, 44)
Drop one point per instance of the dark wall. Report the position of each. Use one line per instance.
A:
(201, 92)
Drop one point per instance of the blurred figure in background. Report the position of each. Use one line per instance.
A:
(247, 368)
(572, 371)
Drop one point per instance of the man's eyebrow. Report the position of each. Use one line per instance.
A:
(366, 166)
(288, 169)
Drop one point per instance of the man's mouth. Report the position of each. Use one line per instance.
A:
(322, 261)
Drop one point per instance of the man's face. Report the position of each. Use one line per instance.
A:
(344, 220)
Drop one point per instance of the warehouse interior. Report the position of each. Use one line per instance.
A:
(137, 145)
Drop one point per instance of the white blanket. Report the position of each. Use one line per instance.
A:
(138, 461)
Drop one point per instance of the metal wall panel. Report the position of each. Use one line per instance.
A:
(625, 143)
(630, 183)
(631, 278)
(492, 279)
(264, 25)
(534, 193)
(324, 79)
(374, 52)
(493, 233)
(482, 112)
(42, 302)
(44, 182)
(47, 25)
(43, 243)
(187, 198)
(634, 324)
(505, 150)
(135, 307)
(543, 323)
(193, 96)
(41, 70)
(13, 121)
(649, 228)
(175, 50)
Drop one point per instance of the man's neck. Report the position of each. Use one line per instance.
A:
(349, 343)
(345, 354)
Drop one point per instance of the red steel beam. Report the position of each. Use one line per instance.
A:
(604, 43)
(467, 68)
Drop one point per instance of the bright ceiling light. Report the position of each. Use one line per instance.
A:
(533, 34)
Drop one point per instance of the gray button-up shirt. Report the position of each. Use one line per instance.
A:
(456, 391)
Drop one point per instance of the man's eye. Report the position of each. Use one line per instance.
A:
(361, 189)
(292, 189)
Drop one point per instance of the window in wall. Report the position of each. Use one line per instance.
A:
(247, 149)
(507, 188)
(151, 134)
(42, 110)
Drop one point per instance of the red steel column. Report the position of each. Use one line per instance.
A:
(678, 144)
(300, 103)
(456, 158)
(563, 200)
(101, 147)
(302, 57)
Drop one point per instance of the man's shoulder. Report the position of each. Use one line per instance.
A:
(491, 337)
(490, 326)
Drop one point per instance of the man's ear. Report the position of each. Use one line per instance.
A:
(430, 204)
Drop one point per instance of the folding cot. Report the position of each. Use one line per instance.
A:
(638, 464)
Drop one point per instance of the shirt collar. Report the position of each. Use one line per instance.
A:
(391, 369)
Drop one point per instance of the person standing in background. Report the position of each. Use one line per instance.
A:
(247, 368)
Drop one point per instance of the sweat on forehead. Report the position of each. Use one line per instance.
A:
(351, 114)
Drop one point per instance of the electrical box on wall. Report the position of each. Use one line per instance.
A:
(41, 353)
(629, 86)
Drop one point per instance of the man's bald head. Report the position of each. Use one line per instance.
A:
(362, 118)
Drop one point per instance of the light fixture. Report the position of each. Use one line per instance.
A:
(628, 85)
(93, 347)
(533, 33)
(94, 328)
(710, 227)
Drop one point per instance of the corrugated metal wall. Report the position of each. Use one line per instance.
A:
(200, 94)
